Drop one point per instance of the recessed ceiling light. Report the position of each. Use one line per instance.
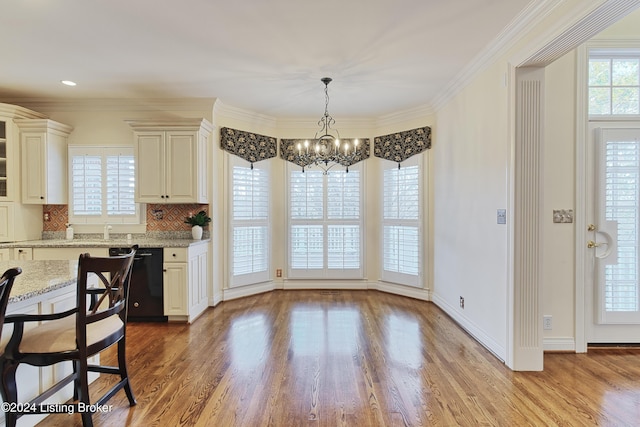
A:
(68, 83)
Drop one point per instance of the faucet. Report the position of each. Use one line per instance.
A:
(107, 227)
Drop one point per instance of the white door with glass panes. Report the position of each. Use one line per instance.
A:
(613, 295)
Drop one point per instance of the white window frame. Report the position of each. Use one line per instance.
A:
(399, 277)
(256, 276)
(325, 223)
(611, 53)
(88, 223)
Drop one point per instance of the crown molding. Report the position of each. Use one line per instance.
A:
(571, 33)
(417, 113)
(311, 123)
(115, 104)
(222, 110)
(528, 17)
(20, 112)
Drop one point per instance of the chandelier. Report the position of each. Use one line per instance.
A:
(326, 149)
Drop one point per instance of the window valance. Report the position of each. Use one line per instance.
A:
(248, 146)
(399, 146)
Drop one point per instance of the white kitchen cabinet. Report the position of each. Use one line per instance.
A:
(44, 161)
(171, 160)
(185, 282)
(17, 221)
(10, 149)
(22, 254)
(20, 222)
(70, 254)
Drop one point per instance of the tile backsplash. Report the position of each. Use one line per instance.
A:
(159, 217)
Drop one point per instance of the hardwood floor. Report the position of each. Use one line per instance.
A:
(353, 358)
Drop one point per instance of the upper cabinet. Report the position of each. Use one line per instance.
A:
(44, 161)
(171, 161)
(10, 150)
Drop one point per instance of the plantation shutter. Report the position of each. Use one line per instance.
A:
(120, 185)
(401, 223)
(325, 223)
(86, 184)
(102, 185)
(250, 223)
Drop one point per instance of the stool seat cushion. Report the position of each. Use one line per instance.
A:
(60, 335)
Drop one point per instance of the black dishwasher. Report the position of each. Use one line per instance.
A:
(145, 290)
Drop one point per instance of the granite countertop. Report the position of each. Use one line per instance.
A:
(39, 277)
(100, 243)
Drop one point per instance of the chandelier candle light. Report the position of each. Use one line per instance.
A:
(326, 150)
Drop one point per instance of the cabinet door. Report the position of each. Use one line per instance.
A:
(6, 221)
(175, 289)
(33, 168)
(182, 167)
(202, 279)
(150, 167)
(4, 162)
(22, 254)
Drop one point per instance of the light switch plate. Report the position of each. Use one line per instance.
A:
(563, 216)
(502, 216)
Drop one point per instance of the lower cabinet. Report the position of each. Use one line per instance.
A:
(185, 282)
(71, 254)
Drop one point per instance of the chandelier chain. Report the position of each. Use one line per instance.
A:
(326, 150)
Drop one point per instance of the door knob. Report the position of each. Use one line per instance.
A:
(592, 244)
(591, 227)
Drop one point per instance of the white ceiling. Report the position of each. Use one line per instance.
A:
(265, 56)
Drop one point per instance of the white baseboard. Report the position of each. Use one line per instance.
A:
(245, 291)
(472, 329)
(563, 344)
(405, 291)
(326, 284)
(216, 299)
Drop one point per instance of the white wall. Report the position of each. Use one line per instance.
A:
(470, 169)
(558, 278)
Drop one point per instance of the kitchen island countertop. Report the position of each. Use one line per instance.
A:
(100, 243)
(39, 277)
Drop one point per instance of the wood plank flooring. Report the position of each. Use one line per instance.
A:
(353, 358)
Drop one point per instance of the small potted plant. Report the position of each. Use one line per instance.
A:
(197, 221)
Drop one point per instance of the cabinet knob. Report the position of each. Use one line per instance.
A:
(167, 196)
(162, 197)
(173, 255)
(41, 197)
(135, 304)
(20, 251)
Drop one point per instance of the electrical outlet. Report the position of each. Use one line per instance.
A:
(279, 272)
(461, 302)
(547, 324)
